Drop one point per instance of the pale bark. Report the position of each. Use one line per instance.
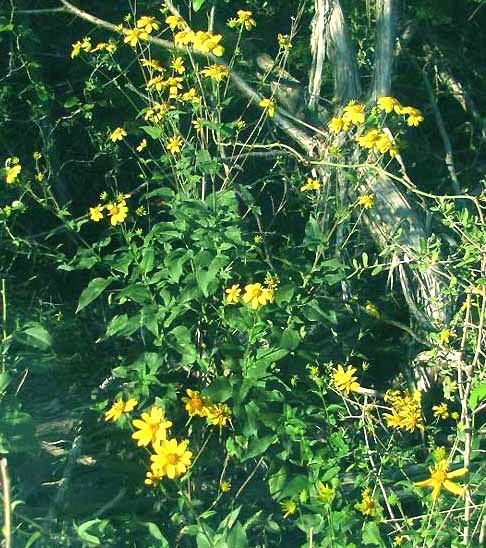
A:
(384, 48)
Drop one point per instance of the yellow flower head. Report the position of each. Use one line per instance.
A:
(244, 19)
(191, 96)
(142, 145)
(414, 116)
(119, 407)
(195, 403)
(446, 335)
(118, 134)
(215, 72)
(368, 506)
(174, 144)
(439, 477)
(268, 104)
(132, 36)
(225, 486)
(12, 173)
(148, 23)
(366, 200)
(345, 381)
(385, 144)
(369, 139)
(388, 104)
(398, 540)
(95, 213)
(175, 21)
(337, 124)
(325, 492)
(271, 281)
(178, 65)
(284, 41)
(311, 184)
(218, 414)
(288, 507)
(354, 113)
(233, 293)
(256, 295)
(441, 411)
(117, 211)
(152, 64)
(152, 427)
(171, 459)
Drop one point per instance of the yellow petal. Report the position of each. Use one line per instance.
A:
(436, 491)
(454, 487)
(456, 473)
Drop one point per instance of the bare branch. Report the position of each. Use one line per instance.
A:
(341, 54)
(318, 49)
(384, 47)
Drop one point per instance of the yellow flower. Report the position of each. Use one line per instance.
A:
(12, 173)
(174, 144)
(367, 506)
(288, 507)
(148, 23)
(345, 381)
(110, 47)
(132, 36)
(372, 310)
(157, 82)
(178, 65)
(39, 176)
(205, 42)
(37, 155)
(157, 112)
(255, 295)
(439, 477)
(152, 478)
(385, 144)
(195, 403)
(216, 72)
(258, 239)
(446, 335)
(225, 486)
(233, 293)
(153, 64)
(95, 213)
(388, 104)
(191, 95)
(269, 104)
(84, 44)
(197, 124)
(441, 411)
(117, 211)
(175, 21)
(142, 145)
(119, 407)
(398, 540)
(218, 414)
(326, 493)
(284, 41)
(369, 139)
(244, 19)
(271, 281)
(393, 419)
(366, 200)
(354, 113)
(171, 459)
(414, 115)
(336, 125)
(118, 134)
(311, 184)
(175, 84)
(152, 428)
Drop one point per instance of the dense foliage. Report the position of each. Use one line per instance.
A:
(243, 274)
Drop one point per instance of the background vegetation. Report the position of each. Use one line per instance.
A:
(257, 230)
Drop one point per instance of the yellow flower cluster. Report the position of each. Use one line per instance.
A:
(117, 210)
(406, 410)
(389, 104)
(345, 381)
(12, 169)
(243, 19)
(379, 140)
(201, 41)
(255, 294)
(145, 25)
(217, 414)
(157, 111)
(120, 407)
(84, 44)
(366, 200)
(311, 184)
(173, 84)
(441, 411)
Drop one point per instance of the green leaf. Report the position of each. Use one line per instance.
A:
(258, 446)
(237, 537)
(371, 534)
(197, 4)
(294, 487)
(219, 390)
(290, 339)
(35, 335)
(82, 531)
(94, 290)
(154, 132)
(155, 532)
(71, 102)
(477, 394)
